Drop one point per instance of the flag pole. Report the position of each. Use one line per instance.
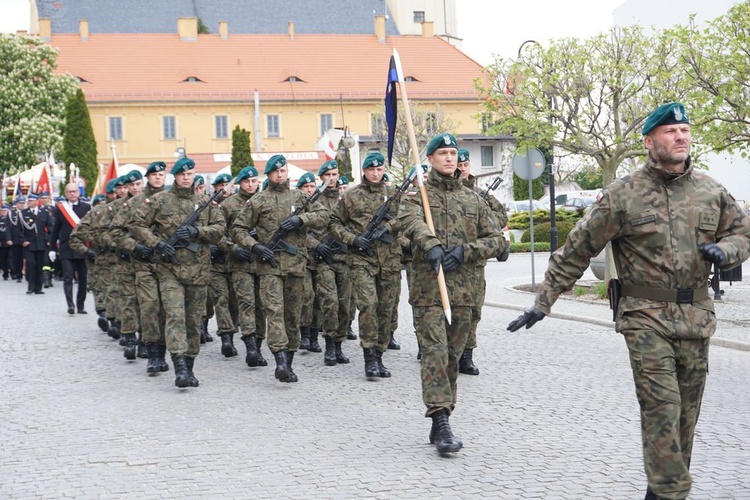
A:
(444, 299)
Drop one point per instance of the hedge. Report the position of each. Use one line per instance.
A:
(520, 220)
(539, 246)
(541, 232)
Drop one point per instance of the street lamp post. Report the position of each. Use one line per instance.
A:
(549, 160)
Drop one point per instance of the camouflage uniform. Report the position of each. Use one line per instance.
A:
(82, 238)
(460, 217)
(221, 291)
(656, 221)
(124, 274)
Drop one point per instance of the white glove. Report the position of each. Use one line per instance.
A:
(52, 256)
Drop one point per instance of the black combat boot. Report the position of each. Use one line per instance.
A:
(261, 360)
(289, 360)
(192, 381)
(329, 358)
(102, 321)
(227, 345)
(153, 365)
(47, 279)
(371, 363)
(314, 345)
(205, 336)
(381, 367)
(251, 358)
(141, 352)
(441, 434)
(466, 364)
(350, 335)
(282, 369)
(304, 339)
(392, 344)
(340, 358)
(130, 342)
(182, 378)
(114, 329)
(163, 365)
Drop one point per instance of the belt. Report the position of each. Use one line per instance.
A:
(679, 296)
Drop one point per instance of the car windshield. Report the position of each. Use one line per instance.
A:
(522, 206)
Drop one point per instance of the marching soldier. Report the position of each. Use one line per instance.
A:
(309, 320)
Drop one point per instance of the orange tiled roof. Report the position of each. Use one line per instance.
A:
(153, 67)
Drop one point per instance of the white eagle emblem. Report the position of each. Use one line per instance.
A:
(678, 114)
(447, 140)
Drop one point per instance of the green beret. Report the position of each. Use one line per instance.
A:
(156, 166)
(666, 114)
(386, 177)
(264, 185)
(441, 141)
(373, 159)
(182, 165)
(198, 180)
(329, 165)
(306, 178)
(132, 176)
(274, 163)
(425, 168)
(246, 173)
(110, 187)
(222, 179)
(463, 155)
(120, 181)
(99, 198)
(343, 181)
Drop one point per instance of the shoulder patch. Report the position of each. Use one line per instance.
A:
(147, 200)
(109, 209)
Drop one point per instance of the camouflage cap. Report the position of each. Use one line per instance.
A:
(666, 114)
(246, 173)
(198, 180)
(274, 163)
(110, 187)
(132, 176)
(441, 141)
(373, 159)
(463, 155)
(155, 166)
(306, 178)
(182, 165)
(222, 179)
(329, 165)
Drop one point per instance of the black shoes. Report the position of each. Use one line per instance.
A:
(392, 344)
(81, 310)
(304, 339)
(282, 369)
(252, 351)
(384, 373)
(371, 363)
(329, 358)
(340, 358)
(466, 363)
(71, 310)
(101, 321)
(227, 345)
(130, 342)
(312, 334)
(192, 381)
(182, 379)
(289, 360)
(350, 335)
(441, 435)
(261, 360)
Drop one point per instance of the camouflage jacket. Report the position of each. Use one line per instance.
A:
(498, 209)
(329, 199)
(460, 217)
(90, 230)
(157, 218)
(232, 207)
(656, 221)
(350, 219)
(265, 212)
(119, 228)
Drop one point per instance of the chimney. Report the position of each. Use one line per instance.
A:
(291, 30)
(428, 29)
(187, 28)
(224, 30)
(45, 28)
(83, 29)
(380, 28)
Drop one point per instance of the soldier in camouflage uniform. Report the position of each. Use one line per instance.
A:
(281, 272)
(466, 363)
(310, 316)
(465, 234)
(152, 315)
(250, 316)
(106, 248)
(375, 276)
(183, 271)
(667, 224)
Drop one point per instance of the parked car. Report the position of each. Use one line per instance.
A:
(561, 198)
(575, 204)
(522, 206)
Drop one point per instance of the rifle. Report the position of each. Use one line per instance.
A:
(277, 243)
(382, 214)
(491, 187)
(192, 218)
(336, 247)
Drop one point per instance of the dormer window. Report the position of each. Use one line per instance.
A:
(293, 79)
(192, 79)
(410, 79)
(81, 80)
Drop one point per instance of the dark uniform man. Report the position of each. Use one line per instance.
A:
(465, 234)
(15, 255)
(5, 241)
(36, 225)
(667, 224)
(466, 363)
(183, 269)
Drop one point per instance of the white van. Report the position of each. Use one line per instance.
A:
(562, 197)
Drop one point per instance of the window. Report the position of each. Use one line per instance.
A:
(272, 126)
(418, 16)
(221, 127)
(430, 123)
(168, 127)
(488, 156)
(115, 128)
(377, 125)
(326, 122)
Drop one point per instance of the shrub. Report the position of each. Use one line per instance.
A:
(541, 232)
(520, 220)
(540, 246)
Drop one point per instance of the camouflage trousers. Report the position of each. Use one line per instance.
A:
(670, 375)
(334, 286)
(442, 346)
(476, 311)
(184, 305)
(281, 297)
(111, 294)
(377, 296)
(309, 314)
(221, 292)
(149, 303)
(97, 285)
(251, 319)
(127, 312)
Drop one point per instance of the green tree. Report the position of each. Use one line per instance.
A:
(79, 144)
(521, 188)
(588, 179)
(32, 100)
(587, 97)
(241, 156)
(202, 28)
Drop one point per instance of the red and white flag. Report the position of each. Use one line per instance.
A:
(326, 144)
(43, 185)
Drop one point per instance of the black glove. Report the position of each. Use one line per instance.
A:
(186, 233)
(379, 233)
(324, 252)
(712, 253)
(529, 317)
(293, 222)
(362, 243)
(434, 257)
(453, 258)
(264, 253)
(90, 255)
(242, 253)
(142, 252)
(167, 251)
(217, 255)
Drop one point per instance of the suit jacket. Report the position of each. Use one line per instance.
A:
(5, 232)
(40, 225)
(62, 228)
